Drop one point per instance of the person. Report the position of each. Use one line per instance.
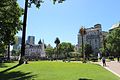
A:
(103, 61)
(99, 56)
(118, 59)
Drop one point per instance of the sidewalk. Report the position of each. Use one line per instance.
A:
(112, 66)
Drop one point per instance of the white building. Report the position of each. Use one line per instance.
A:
(93, 37)
(35, 51)
(115, 26)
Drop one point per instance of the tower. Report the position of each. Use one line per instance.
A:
(43, 50)
(31, 40)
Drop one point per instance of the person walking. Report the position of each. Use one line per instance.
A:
(103, 61)
(118, 59)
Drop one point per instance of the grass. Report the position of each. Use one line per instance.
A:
(45, 70)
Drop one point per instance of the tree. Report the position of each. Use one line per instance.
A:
(2, 49)
(15, 52)
(88, 50)
(82, 31)
(57, 42)
(113, 40)
(49, 52)
(65, 48)
(10, 14)
(28, 4)
(102, 50)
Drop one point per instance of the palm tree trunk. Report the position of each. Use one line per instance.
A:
(57, 52)
(84, 60)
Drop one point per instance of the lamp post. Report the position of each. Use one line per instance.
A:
(82, 31)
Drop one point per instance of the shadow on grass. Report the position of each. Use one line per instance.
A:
(2, 65)
(10, 68)
(84, 79)
(15, 75)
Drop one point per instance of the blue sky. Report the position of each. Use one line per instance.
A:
(64, 20)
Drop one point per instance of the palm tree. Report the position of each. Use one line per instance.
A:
(82, 31)
(57, 42)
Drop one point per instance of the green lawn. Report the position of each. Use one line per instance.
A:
(44, 70)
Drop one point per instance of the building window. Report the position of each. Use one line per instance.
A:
(95, 41)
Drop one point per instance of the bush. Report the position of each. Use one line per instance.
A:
(2, 60)
(94, 59)
(111, 58)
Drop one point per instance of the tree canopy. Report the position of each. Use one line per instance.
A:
(113, 41)
(65, 48)
(10, 23)
(88, 50)
(38, 2)
(57, 41)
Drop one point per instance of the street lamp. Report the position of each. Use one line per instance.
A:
(82, 31)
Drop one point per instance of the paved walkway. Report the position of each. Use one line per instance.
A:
(112, 66)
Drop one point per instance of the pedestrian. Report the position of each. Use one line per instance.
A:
(118, 59)
(99, 56)
(103, 61)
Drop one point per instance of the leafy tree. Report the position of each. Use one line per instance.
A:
(15, 52)
(2, 49)
(110, 49)
(65, 48)
(88, 50)
(49, 52)
(10, 14)
(113, 40)
(102, 50)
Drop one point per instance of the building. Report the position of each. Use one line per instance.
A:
(31, 40)
(35, 51)
(115, 26)
(93, 36)
(17, 45)
(32, 50)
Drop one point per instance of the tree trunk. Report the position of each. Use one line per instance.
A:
(21, 61)
(8, 58)
(83, 53)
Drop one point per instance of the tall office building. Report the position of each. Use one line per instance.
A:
(17, 45)
(94, 37)
(31, 40)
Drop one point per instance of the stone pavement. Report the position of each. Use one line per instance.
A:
(112, 66)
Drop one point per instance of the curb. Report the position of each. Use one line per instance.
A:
(110, 70)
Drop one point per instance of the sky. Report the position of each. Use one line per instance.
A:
(64, 20)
